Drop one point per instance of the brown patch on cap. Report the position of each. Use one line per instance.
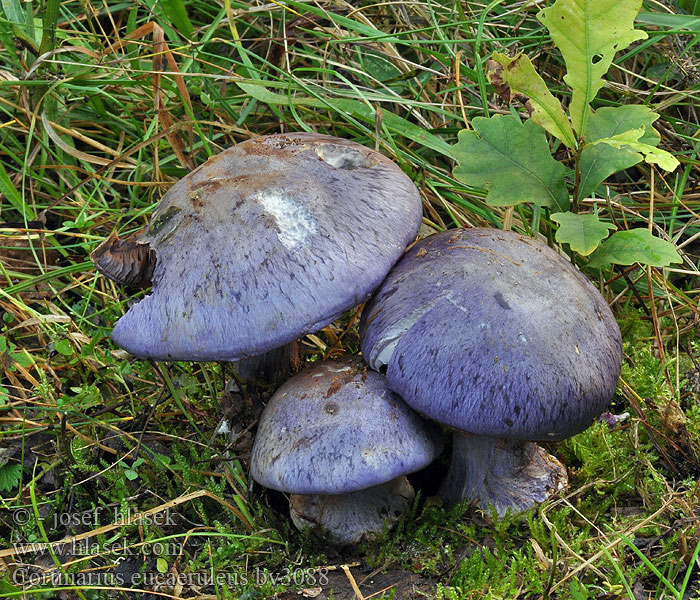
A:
(334, 387)
(338, 382)
(273, 145)
(196, 199)
(455, 237)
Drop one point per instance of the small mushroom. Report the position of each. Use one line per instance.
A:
(337, 439)
(265, 242)
(499, 337)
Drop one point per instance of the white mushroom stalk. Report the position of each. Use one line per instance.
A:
(349, 518)
(507, 475)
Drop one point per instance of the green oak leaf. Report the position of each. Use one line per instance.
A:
(589, 33)
(635, 246)
(582, 232)
(609, 121)
(599, 161)
(631, 140)
(511, 159)
(519, 75)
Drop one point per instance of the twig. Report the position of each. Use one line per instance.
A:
(353, 583)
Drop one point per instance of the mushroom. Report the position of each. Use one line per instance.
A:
(337, 439)
(269, 240)
(500, 338)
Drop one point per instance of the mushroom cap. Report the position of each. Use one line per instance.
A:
(494, 333)
(336, 428)
(271, 239)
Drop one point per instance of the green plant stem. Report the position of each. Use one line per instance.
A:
(48, 39)
(577, 178)
(479, 68)
(652, 567)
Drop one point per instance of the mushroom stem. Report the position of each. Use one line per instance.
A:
(349, 518)
(271, 367)
(509, 475)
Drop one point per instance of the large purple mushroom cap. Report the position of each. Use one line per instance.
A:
(336, 428)
(265, 242)
(494, 333)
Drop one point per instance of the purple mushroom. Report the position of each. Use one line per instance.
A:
(499, 337)
(265, 242)
(337, 439)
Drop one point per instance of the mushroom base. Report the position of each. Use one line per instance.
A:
(349, 518)
(272, 367)
(508, 475)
